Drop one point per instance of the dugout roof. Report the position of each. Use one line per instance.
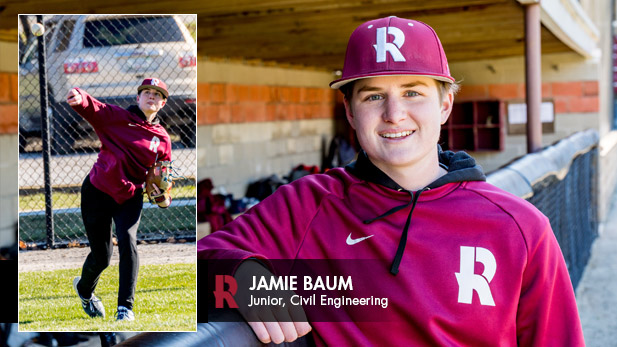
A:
(314, 33)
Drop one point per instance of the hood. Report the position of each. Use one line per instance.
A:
(135, 109)
(461, 167)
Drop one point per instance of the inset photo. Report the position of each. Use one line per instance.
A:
(107, 173)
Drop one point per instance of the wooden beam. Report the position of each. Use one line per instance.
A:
(8, 35)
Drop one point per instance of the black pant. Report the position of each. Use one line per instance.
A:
(98, 210)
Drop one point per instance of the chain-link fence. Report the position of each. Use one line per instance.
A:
(571, 206)
(108, 56)
(561, 181)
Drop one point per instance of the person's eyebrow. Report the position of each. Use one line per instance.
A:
(414, 84)
(369, 88)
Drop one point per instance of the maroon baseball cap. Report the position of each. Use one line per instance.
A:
(154, 83)
(394, 46)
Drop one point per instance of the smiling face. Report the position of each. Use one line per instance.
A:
(150, 101)
(398, 119)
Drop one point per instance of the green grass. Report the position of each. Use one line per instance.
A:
(165, 300)
(36, 201)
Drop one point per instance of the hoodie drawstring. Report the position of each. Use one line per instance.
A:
(391, 211)
(403, 241)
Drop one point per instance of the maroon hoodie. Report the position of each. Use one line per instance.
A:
(463, 262)
(129, 146)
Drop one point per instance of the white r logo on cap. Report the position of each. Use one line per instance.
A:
(155, 81)
(383, 46)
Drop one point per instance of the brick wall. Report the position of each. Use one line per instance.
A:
(222, 103)
(8, 156)
(250, 131)
(8, 103)
(569, 97)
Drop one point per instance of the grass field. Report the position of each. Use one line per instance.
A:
(165, 300)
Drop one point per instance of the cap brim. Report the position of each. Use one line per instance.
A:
(163, 91)
(341, 82)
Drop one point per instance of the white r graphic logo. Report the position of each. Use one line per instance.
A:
(155, 82)
(154, 144)
(468, 281)
(383, 46)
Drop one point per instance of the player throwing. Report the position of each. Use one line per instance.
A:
(132, 141)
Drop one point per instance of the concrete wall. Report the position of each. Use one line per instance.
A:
(607, 173)
(235, 154)
(599, 11)
(8, 188)
(255, 121)
(8, 142)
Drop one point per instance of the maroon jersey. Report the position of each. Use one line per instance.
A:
(481, 267)
(129, 145)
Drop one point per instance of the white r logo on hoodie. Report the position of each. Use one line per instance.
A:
(468, 281)
(154, 144)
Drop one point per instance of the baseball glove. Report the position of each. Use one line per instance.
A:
(158, 183)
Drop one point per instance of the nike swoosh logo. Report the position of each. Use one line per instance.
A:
(351, 241)
(132, 125)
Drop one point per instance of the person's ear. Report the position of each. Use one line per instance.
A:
(164, 102)
(446, 106)
(349, 113)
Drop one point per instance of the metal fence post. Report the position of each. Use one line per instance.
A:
(49, 218)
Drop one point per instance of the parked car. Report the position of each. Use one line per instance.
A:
(108, 56)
